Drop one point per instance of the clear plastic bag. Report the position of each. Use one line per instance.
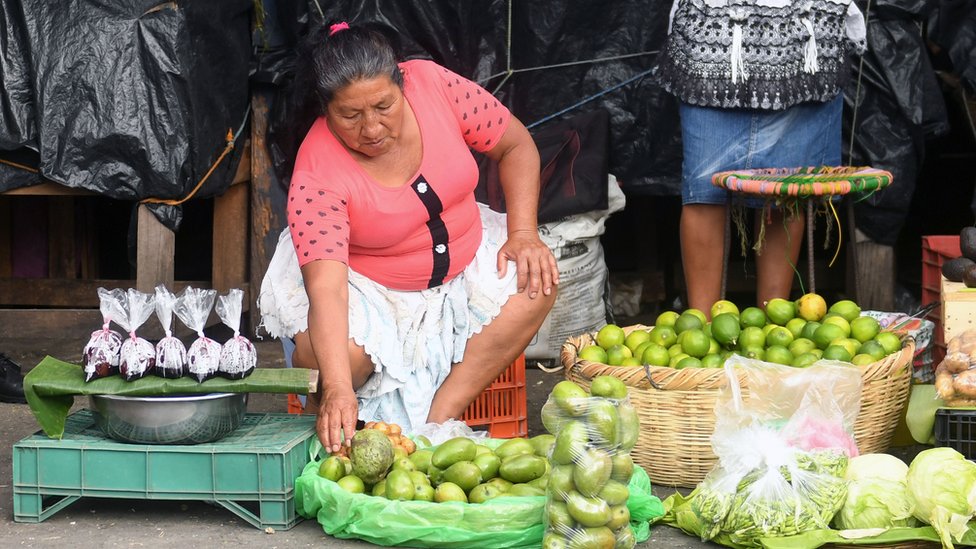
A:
(203, 356)
(591, 465)
(782, 449)
(237, 356)
(955, 376)
(170, 351)
(101, 353)
(137, 357)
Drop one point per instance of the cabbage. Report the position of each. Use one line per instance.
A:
(877, 495)
(942, 483)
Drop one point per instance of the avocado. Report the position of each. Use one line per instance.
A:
(967, 242)
(969, 276)
(953, 269)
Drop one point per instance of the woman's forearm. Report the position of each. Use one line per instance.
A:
(518, 172)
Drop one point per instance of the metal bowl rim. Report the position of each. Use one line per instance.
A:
(172, 398)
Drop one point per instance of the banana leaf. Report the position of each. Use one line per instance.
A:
(50, 388)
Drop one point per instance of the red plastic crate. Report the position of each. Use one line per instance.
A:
(936, 250)
(502, 406)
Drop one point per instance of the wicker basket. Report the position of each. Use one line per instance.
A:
(677, 408)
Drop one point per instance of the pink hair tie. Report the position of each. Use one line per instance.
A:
(338, 27)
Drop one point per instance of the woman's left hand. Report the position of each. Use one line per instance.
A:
(535, 264)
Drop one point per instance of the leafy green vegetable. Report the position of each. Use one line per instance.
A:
(877, 494)
(942, 483)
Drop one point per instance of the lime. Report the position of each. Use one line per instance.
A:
(795, 326)
(838, 320)
(779, 336)
(779, 354)
(707, 328)
(817, 353)
(890, 341)
(755, 353)
(873, 349)
(827, 333)
(725, 329)
(697, 312)
(352, 483)
(610, 335)
(809, 328)
(664, 336)
(767, 328)
(630, 361)
(752, 336)
(846, 308)
(811, 307)
(688, 362)
(635, 338)
(667, 318)
(695, 343)
(780, 311)
(617, 353)
(688, 321)
(675, 350)
(655, 355)
(804, 360)
(837, 352)
(713, 346)
(801, 345)
(639, 351)
(863, 359)
(712, 361)
(593, 353)
(676, 359)
(723, 306)
(864, 328)
(852, 345)
(752, 316)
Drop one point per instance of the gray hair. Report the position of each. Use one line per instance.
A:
(349, 55)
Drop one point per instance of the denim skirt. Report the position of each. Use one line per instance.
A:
(717, 140)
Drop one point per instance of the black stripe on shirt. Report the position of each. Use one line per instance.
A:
(438, 231)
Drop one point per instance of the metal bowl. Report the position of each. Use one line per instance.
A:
(191, 419)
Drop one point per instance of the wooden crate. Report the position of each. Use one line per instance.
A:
(958, 308)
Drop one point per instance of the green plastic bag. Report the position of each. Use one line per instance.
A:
(498, 523)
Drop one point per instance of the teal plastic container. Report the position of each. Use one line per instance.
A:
(251, 471)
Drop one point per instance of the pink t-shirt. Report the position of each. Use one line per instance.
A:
(412, 237)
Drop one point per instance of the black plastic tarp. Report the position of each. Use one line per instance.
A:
(953, 28)
(894, 102)
(541, 58)
(132, 100)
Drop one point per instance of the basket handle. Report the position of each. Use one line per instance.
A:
(647, 374)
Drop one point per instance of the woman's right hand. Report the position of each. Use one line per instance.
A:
(337, 415)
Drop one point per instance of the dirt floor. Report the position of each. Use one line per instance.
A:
(105, 522)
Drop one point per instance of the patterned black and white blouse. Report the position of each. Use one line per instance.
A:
(760, 54)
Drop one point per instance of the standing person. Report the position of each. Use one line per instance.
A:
(759, 85)
(411, 298)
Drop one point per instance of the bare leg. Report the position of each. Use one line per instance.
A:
(488, 353)
(774, 274)
(702, 227)
(362, 366)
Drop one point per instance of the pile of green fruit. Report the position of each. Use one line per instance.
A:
(793, 333)
(586, 497)
(457, 470)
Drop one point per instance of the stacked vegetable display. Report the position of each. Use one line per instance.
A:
(793, 333)
(385, 463)
(586, 497)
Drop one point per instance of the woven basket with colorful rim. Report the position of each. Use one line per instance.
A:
(804, 182)
(677, 408)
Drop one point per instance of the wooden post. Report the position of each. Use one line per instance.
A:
(230, 223)
(155, 249)
(267, 201)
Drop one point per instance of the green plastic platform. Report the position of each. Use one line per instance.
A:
(251, 471)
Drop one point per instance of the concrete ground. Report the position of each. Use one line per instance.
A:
(93, 522)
